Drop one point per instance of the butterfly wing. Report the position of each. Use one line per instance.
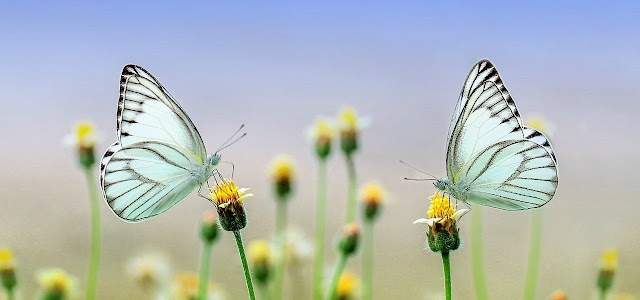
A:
(492, 159)
(485, 114)
(510, 175)
(151, 167)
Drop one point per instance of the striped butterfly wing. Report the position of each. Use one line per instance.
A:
(150, 168)
(492, 158)
(145, 179)
(485, 114)
(510, 175)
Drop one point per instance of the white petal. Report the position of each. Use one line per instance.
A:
(459, 214)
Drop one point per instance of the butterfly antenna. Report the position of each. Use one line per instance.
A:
(226, 143)
(418, 179)
(231, 143)
(412, 167)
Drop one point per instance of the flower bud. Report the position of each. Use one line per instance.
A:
(282, 174)
(349, 241)
(209, 230)
(372, 197)
(227, 199)
(7, 270)
(259, 254)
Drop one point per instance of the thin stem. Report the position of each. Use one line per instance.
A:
(205, 263)
(367, 261)
(603, 294)
(533, 265)
(264, 291)
(351, 200)
(336, 277)
(321, 207)
(11, 295)
(477, 263)
(281, 234)
(245, 265)
(446, 265)
(96, 232)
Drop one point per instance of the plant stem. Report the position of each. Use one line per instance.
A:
(367, 261)
(446, 265)
(11, 294)
(264, 291)
(476, 253)
(96, 232)
(533, 265)
(281, 233)
(321, 207)
(351, 196)
(205, 263)
(245, 265)
(603, 294)
(336, 277)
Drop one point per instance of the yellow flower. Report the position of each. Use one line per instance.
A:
(441, 210)
(226, 195)
(347, 285)
(558, 295)
(609, 261)
(282, 173)
(57, 282)
(372, 196)
(539, 124)
(6, 260)
(259, 253)
(322, 131)
(149, 270)
(282, 168)
(227, 198)
(350, 125)
(185, 287)
(83, 136)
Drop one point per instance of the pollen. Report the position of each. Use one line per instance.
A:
(85, 134)
(372, 194)
(348, 119)
(441, 207)
(227, 195)
(6, 259)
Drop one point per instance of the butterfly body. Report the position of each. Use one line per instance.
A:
(159, 157)
(493, 159)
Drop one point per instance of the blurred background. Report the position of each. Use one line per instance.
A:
(277, 66)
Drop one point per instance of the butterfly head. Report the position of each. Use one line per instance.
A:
(214, 159)
(442, 184)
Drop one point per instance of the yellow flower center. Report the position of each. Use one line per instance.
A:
(610, 260)
(6, 259)
(186, 286)
(323, 130)
(259, 252)
(440, 207)
(227, 195)
(372, 194)
(57, 280)
(348, 119)
(346, 284)
(85, 134)
(282, 169)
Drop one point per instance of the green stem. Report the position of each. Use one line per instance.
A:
(351, 200)
(264, 291)
(205, 263)
(321, 207)
(336, 277)
(11, 294)
(476, 253)
(367, 261)
(94, 262)
(603, 294)
(281, 234)
(446, 265)
(245, 265)
(533, 265)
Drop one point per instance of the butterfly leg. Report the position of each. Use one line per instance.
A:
(200, 192)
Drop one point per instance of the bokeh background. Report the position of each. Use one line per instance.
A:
(275, 67)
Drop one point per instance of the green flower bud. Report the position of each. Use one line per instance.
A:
(349, 242)
(209, 230)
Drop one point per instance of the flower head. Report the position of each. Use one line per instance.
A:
(57, 284)
(185, 287)
(282, 172)
(227, 198)
(350, 125)
(347, 285)
(150, 270)
(83, 138)
(260, 259)
(443, 232)
(350, 237)
(322, 134)
(558, 295)
(209, 228)
(372, 197)
(608, 266)
(7, 269)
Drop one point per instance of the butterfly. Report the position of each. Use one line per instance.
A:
(159, 157)
(493, 159)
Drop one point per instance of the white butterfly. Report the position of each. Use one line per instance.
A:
(159, 157)
(492, 158)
